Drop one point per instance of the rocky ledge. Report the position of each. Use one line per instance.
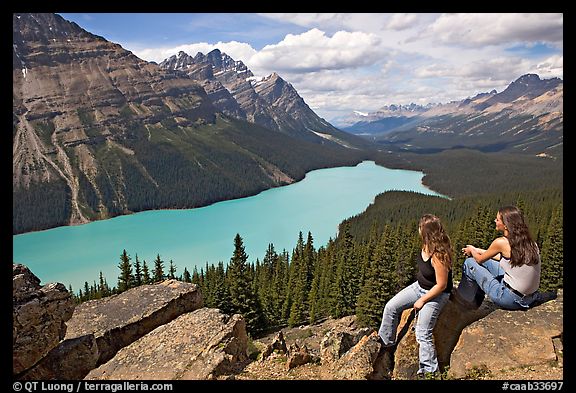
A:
(162, 331)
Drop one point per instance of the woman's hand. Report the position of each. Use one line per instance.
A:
(467, 251)
(418, 304)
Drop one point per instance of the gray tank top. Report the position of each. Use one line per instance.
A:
(525, 278)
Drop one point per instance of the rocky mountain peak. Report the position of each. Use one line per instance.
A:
(181, 61)
(271, 102)
(222, 62)
(46, 27)
(528, 79)
(528, 86)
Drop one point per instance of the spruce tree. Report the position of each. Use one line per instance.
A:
(103, 286)
(86, 291)
(126, 277)
(267, 293)
(172, 270)
(158, 269)
(145, 273)
(186, 275)
(137, 273)
(552, 253)
(219, 290)
(314, 297)
(243, 299)
(346, 284)
(297, 284)
(380, 284)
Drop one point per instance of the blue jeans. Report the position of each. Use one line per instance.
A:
(486, 278)
(425, 322)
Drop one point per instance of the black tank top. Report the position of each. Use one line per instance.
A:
(427, 277)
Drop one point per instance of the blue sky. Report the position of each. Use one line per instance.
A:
(341, 63)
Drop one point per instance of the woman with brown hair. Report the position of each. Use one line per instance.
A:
(508, 271)
(427, 295)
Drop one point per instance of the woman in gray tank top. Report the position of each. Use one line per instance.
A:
(508, 271)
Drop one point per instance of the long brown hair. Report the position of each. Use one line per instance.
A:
(523, 250)
(435, 239)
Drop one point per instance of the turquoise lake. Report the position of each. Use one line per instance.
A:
(318, 203)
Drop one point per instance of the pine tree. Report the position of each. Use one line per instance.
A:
(172, 270)
(380, 283)
(346, 284)
(86, 292)
(186, 275)
(265, 279)
(103, 288)
(145, 273)
(314, 297)
(220, 292)
(137, 273)
(326, 299)
(158, 269)
(244, 301)
(126, 277)
(552, 253)
(297, 284)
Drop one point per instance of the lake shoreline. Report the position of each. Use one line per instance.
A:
(195, 237)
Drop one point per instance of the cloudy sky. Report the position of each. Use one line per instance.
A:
(341, 63)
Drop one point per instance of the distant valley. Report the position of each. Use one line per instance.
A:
(527, 117)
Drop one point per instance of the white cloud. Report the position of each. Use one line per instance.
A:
(314, 50)
(347, 62)
(482, 29)
(401, 21)
(552, 67)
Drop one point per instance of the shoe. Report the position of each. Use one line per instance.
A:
(428, 376)
(458, 299)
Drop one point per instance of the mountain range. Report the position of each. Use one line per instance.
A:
(270, 101)
(527, 117)
(99, 132)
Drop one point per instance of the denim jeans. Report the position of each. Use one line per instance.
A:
(486, 278)
(425, 322)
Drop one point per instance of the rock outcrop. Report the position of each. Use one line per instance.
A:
(488, 339)
(197, 345)
(510, 339)
(39, 314)
(161, 331)
(119, 320)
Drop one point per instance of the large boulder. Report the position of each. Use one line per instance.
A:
(465, 339)
(70, 360)
(510, 339)
(203, 344)
(119, 320)
(39, 315)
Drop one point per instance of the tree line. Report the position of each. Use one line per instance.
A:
(357, 272)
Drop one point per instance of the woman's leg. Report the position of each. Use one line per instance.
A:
(393, 309)
(425, 323)
(468, 289)
(488, 277)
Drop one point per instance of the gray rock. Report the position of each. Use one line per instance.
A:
(119, 320)
(39, 314)
(70, 360)
(199, 345)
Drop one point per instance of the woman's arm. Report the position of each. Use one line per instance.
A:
(496, 247)
(441, 273)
